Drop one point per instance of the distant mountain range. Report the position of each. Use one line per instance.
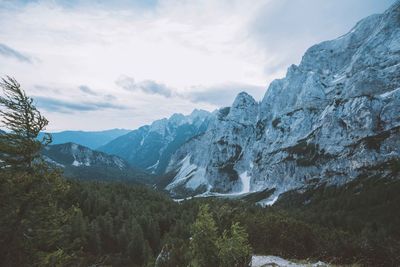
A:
(84, 163)
(150, 147)
(93, 139)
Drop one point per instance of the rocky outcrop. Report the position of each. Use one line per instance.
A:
(333, 118)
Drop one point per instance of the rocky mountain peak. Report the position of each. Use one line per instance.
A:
(243, 109)
(199, 113)
(333, 118)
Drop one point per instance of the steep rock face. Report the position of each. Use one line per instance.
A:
(150, 147)
(334, 117)
(212, 159)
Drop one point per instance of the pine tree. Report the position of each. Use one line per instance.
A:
(136, 245)
(203, 244)
(234, 249)
(19, 147)
(94, 242)
(30, 217)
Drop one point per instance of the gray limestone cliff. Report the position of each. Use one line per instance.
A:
(333, 118)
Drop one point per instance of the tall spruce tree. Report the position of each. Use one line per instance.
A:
(30, 217)
(234, 248)
(203, 244)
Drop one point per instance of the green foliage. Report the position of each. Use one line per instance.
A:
(307, 154)
(355, 222)
(126, 225)
(30, 223)
(19, 147)
(30, 217)
(203, 243)
(374, 142)
(116, 224)
(208, 249)
(234, 249)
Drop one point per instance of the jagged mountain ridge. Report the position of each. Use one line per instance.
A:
(84, 163)
(151, 146)
(334, 117)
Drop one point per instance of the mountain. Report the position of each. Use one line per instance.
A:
(92, 140)
(150, 147)
(84, 163)
(334, 118)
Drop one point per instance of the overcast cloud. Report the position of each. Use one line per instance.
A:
(9, 52)
(102, 64)
(147, 86)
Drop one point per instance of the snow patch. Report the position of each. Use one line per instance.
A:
(245, 178)
(260, 261)
(74, 147)
(49, 160)
(119, 163)
(190, 174)
(384, 95)
(270, 200)
(338, 79)
(77, 163)
(154, 166)
(197, 179)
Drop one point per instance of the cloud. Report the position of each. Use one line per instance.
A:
(146, 86)
(9, 52)
(110, 97)
(87, 90)
(223, 94)
(66, 106)
(217, 95)
(171, 47)
(285, 29)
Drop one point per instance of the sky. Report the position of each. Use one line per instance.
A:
(98, 64)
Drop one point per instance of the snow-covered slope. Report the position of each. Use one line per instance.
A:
(333, 118)
(150, 147)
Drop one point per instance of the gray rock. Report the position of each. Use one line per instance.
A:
(333, 118)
